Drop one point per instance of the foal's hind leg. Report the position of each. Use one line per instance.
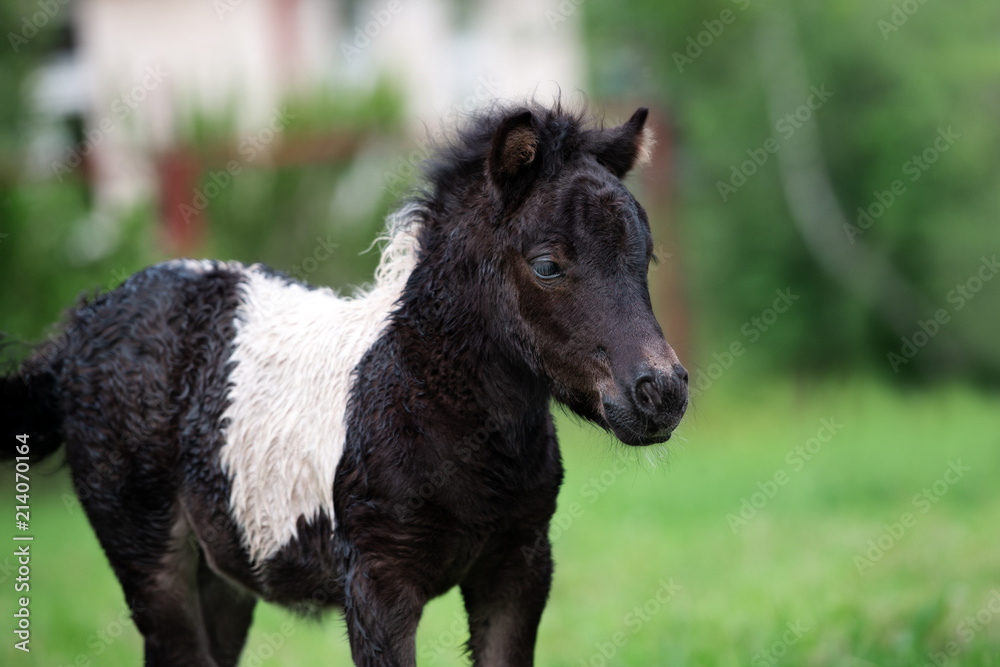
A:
(227, 611)
(166, 605)
(147, 541)
(169, 612)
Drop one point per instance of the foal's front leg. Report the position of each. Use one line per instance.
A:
(505, 594)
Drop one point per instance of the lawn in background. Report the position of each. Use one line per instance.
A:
(864, 550)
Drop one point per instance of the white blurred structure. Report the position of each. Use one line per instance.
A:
(140, 66)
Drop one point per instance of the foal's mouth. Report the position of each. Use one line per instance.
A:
(643, 439)
(654, 439)
(634, 429)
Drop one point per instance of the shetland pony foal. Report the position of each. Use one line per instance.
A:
(235, 434)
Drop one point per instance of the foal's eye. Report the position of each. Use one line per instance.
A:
(545, 268)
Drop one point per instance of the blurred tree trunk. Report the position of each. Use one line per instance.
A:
(813, 204)
(666, 277)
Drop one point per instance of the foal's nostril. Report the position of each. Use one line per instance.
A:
(657, 393)
(648, 393)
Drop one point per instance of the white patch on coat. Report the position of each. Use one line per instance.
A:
(294, 351)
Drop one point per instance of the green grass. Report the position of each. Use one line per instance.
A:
(792, 563)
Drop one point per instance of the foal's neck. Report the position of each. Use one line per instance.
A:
(446, 341)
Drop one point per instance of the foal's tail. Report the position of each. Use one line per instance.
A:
(29, 405)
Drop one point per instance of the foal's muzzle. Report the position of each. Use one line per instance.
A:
(652, 406)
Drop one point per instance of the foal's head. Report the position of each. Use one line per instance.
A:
(576, 248)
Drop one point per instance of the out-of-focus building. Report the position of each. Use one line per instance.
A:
(134, 71)
(128, 76)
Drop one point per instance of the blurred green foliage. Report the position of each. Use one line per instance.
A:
(313, 112)
(42, 271)
(892, 92)
(294, 217)
(55, 247)
(794, 562)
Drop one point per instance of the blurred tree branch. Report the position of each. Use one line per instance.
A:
(813, 204)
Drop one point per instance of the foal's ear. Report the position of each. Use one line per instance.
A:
(511, 161)
(626, 146)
